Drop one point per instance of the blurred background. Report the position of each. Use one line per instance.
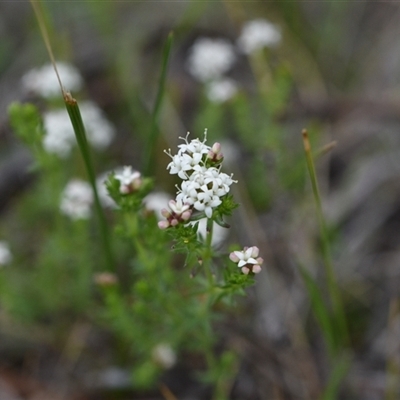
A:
(335, 71)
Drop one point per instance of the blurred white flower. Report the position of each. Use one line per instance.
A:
(77, 199)
(43, 80)
(156, 202)
(219, 233)
(164, 355)
(257, 34)
(60, 137)
(5, 253)
(210, 58)
(221, 90)
(100, 131)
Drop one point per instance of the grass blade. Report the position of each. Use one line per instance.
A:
(320, 310)
(339, 371)
(79, 129)
(333, 289)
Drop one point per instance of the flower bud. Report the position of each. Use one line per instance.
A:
(255, 251)
(165, 213)
(233, 257)
(256, 269)
(216, 148)
(245, 270)
(174, 222)
(186, 215)
(163, 224)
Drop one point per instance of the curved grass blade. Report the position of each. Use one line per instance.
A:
(80, 134)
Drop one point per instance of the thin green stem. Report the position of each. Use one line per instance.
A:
(152, 138)
(207, 255)
(325, 245)
(79, 129)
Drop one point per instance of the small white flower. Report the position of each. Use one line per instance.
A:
(210, 58)
(77, 199)
(247, 260)
(130, 180)
(194, 147)
(5, 253)
(257, 34)
(164, 355)
(179, 165)
(43, 80)
(178, 207)
(221, 90)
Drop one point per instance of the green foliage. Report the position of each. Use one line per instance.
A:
(185, 238)
(26, 123)
(155, 295)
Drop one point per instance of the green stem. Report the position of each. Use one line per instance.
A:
(79, 129)
(326, 252)
(207, 255)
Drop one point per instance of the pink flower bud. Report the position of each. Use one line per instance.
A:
(174, 222)
(256, 269)
(259, 260)
(186, 215)
(245, 270)
(124, 189)
(255, 251)
(165, 213)
(216, 147)
(163, 224)
(233, 257)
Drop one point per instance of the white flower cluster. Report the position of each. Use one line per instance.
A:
(257, 34)
(43, 81)
(60, 138)
(77, 199)
(209, 59)
(247, 260)
(221, 90)
(203, 183)
(5, 253)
